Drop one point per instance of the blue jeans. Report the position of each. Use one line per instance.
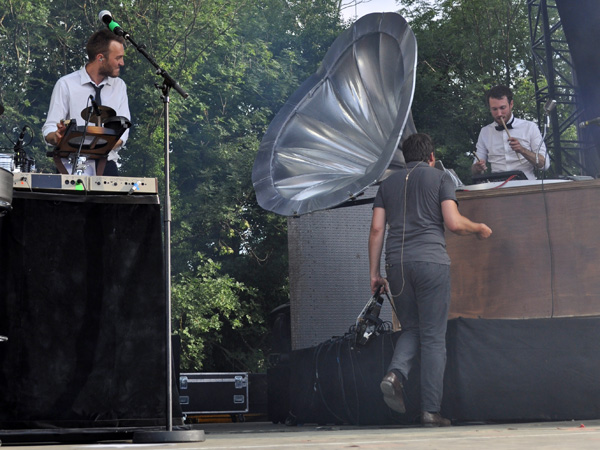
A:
(422, 309)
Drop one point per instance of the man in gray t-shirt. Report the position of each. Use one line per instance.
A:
(417, 232)
(416, 203)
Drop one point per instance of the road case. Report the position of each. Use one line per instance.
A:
(213, 393)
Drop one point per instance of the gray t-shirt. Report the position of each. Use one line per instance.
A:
(420, 218)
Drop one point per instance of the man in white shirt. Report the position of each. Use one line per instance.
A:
(509, 143)
(99, 78)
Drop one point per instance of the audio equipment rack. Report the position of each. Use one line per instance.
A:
(84, 183)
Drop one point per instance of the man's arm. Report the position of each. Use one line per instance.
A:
(481, 153)
(376, 237)
(123, 110)
(459, 224)
(537, 160)
(53, 129)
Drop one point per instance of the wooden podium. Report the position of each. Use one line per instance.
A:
(541, 260)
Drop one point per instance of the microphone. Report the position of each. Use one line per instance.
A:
(95, 106)
(595, 121)
(19, 144)
(549, 106)
(22, 135)
(106, 17)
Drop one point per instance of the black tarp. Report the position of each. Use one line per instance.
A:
(497, 371)
(523, 370)
(335, 382)
(83, 306)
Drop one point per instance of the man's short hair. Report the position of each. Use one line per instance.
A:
(99, 42)
(417, 147)
(498, 92)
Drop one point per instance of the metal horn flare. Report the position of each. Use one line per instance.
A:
(339, 132)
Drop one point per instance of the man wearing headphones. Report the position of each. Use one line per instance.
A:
(416, 203)
(98, 78)
(509, 143)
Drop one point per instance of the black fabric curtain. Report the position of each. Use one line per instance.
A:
(82, 304)
(497, 371)
(523, 370)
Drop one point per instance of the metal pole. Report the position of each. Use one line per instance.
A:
(167, 262)
(555, 132)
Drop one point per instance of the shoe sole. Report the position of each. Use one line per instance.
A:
(392, 399)
(436, 425)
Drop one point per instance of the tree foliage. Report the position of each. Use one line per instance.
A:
(208, 309)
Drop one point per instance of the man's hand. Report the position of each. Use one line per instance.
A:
(516, 145)
(378, 281)
(479, 167)
(60, 132)
(55, 137)
(484, 231)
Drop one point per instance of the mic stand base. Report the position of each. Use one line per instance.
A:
(164, 437)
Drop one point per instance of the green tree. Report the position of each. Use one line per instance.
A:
(265, 57)
(208, 304)
(24, 79)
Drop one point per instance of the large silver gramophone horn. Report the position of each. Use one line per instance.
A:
(339, 132)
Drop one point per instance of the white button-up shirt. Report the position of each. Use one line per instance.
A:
(493, 146)
(70, 97)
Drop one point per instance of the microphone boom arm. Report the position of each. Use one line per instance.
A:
(168, 80)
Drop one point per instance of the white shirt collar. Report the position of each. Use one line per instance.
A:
(85, 78)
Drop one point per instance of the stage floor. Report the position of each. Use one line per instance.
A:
(265, 435)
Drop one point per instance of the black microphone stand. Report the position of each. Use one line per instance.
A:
(168, 435)
(548, 108)
(78, 167)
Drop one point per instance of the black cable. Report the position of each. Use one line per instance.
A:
(550, 246)
(356, 394)
(547, 217)
(341, 378)
(318, 384)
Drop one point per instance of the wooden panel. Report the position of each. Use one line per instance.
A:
(541, 260)
(575, 240)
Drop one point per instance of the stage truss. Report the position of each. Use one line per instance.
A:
(552, 60)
